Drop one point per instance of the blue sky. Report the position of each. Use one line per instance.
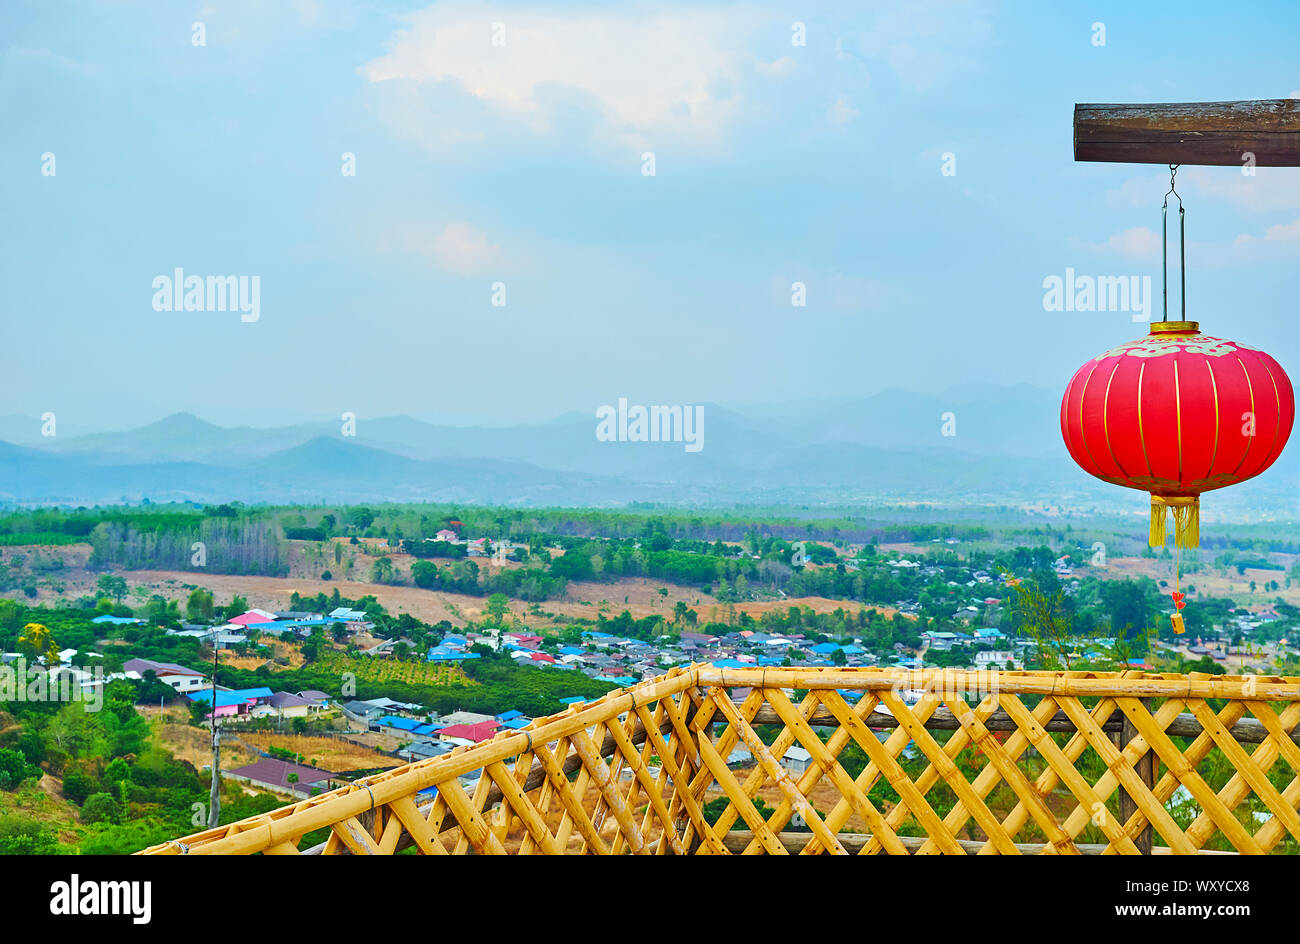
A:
(522, 163)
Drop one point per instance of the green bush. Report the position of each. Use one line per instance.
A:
(77, 786)
(22, 836)
(101, 808)
(14, 769)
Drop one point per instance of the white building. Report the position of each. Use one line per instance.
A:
(178, 677)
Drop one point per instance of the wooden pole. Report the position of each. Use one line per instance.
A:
(214, 795)
(1210, 133)
(1146, 771)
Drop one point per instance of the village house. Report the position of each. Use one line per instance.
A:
(423, 750)
(237, 705)
(176, 676)
(288, 705)
(406, 727)
(469, 734)
(282, 776)
(996, 660)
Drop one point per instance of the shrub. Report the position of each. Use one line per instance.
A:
(101, 808)
(77, 786)
(22, 836)
(14, 769)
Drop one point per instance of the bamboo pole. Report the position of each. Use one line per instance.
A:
(521, 774)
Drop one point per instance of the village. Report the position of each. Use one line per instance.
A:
(409, 731)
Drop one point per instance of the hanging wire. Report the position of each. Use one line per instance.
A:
(1182, 246)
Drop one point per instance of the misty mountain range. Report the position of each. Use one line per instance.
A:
(885, 448)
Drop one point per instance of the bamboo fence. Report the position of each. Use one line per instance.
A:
(897, 761)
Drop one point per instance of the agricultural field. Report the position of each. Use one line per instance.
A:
(387, 671)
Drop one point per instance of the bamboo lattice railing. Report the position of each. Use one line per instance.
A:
(992, 763)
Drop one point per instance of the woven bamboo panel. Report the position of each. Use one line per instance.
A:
(702, 761)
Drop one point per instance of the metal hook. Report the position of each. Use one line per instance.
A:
(1182, 245)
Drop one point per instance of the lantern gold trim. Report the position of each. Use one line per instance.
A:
(1175, 327)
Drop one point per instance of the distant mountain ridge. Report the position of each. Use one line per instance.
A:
(892, 446)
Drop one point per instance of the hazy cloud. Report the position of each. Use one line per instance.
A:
(677, 73)
(458, 247)
(1137, 241)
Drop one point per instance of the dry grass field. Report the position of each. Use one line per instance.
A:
(324, 752)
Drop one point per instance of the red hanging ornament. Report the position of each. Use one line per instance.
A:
(1177, 413)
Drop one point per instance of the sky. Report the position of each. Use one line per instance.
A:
(501, 152)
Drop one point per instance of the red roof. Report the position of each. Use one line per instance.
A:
(252, 617)
(482, 731)
(542, 657)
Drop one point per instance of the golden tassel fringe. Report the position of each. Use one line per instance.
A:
(1157, 536)
(1187, 521)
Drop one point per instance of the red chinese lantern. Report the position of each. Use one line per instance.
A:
(1177, 413)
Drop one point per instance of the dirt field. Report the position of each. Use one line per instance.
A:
(283, 650)
(817, 604)
(640, 596)
(326, 753)
(239, 748)
(1210, 580)
(584, 599)
(195, 745)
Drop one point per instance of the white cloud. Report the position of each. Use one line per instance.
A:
(46, 58)
(778, 68)
(1269, 190)
(927, 43)
(459, 248)
(464, 249)
(1286, 233)
(677, 72)
(1137, 241)
(841, 112)
(834, 291)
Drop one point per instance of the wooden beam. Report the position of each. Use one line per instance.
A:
(1210, 133)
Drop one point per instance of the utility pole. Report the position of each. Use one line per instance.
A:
(214, 798)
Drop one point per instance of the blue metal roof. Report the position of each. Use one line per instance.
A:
(231, 698)
(443, 654)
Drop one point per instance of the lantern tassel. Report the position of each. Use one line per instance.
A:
(1187, 520)
(1187, 524)
(1157, 536)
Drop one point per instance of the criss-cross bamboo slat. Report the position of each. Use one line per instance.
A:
(893, 761)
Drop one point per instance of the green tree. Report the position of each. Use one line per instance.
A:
(14, 769)
(496, 607)
(101, 808)
(22, 836)
(113, 586)
(382, 570)
(11, 615)
(37, 641)
(200, 605)
(424, 574)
